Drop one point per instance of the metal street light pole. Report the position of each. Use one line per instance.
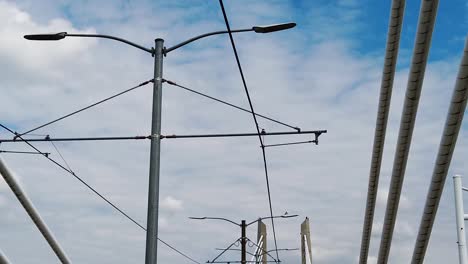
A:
(158, 52)
(155, 151)
(243, 242)
(243, 225)
(460, 219)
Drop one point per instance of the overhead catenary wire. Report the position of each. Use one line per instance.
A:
(388, 75)
(229, 104)
(427, 17)
(447, 145)
(95, 192)
(255, 120)
(84, 108)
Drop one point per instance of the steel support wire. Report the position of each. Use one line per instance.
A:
(231, 105)
(447, 145)
(96, 192)
(84, 108)
(255, 120)
(224, 251)
(391, 55)
(427, 17)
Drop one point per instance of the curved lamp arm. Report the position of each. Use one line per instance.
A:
(269, 217)
(256, 29)
(215, 218)
(167, 50)
(61, 35)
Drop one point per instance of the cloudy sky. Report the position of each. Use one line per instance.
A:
(323, 74)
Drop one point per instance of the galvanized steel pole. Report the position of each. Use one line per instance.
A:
(459, 212)
(32, 212)
(153, 191)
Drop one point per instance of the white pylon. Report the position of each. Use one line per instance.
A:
(306, 248)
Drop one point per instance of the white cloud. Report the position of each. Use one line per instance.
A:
(171, 204)
(325, 84)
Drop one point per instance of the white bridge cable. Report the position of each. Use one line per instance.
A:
(427, 17)
(447, 145)
(32, 212)
(3, 258)
(391, 55)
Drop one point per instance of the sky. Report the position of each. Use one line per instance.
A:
(323, 74)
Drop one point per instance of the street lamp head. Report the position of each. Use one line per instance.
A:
(197, 218)
(273, 28)
(289, 216)
(55, 36)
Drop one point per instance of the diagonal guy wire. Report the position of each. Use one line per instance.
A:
(84, 108)
(226, 249)
(232, 105)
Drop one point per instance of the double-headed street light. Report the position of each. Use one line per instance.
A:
(158, 52)
(243, 225)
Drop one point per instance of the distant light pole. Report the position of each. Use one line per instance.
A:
(460, 219)
(158, 52)
(243, 225)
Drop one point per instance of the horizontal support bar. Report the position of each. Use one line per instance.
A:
(317, 132)
(24, 152)
(48, 139)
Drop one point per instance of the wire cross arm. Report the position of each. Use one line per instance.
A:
(291, 143)
(271, 250)
(25, 152)
(316, 132)
(173, 136)
(68, 139)
(315, 141)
